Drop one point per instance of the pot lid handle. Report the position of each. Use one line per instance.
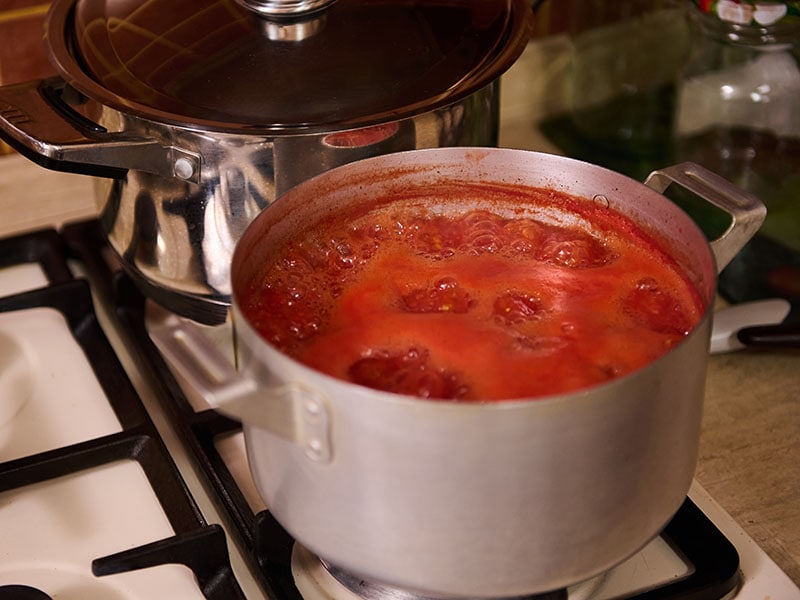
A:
(39, 123)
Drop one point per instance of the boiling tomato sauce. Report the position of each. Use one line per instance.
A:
(487, 304)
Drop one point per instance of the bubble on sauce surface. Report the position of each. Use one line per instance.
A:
(443, 296)
(342, 255)
(522, 246)
(484, 233)
(314, 253)
(296, 261)
(287, 308)
(651, 306)
(377, 231)
(436, 237)
(522, 236)
(567, 248)
(515, 307)
(367, 239)
(568, 329)
(609, 371)
(408, 373)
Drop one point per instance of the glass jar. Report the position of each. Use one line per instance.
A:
(738, 114)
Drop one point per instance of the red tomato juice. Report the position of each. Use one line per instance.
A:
(482, 305)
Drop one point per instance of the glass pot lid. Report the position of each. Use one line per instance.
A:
(268, 65)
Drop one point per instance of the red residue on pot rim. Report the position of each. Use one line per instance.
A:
(366, 136)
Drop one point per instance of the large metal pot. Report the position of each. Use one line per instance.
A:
(482, 499)
(202, 112)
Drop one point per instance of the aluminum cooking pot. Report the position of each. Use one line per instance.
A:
(199, 113)
(465, 500)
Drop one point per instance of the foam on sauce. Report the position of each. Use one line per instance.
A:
(488, 304)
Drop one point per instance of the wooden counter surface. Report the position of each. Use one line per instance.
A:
(750, 447)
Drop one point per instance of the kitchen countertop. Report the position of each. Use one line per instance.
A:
(750, 446)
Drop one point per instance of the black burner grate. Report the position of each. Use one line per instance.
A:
(713, 560)
(139, 440)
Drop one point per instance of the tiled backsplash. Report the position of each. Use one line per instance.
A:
(22, 52)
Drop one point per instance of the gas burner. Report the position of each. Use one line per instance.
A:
(370, 590)
(317, 580)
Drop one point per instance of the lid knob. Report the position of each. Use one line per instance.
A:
(284, 9)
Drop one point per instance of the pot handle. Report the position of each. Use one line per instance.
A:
(289, 410)
(746, 210)
(37, 120)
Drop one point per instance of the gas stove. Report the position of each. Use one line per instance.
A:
(116, 482)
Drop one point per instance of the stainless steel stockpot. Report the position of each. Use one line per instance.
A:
(479, 499)
(200, 113)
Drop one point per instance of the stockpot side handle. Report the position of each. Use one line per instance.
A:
(37, 120)
(746, 210)
(289, 410)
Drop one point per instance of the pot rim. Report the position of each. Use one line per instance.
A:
(59, 29)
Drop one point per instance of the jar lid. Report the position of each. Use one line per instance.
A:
(763, 13)
(283, 65)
